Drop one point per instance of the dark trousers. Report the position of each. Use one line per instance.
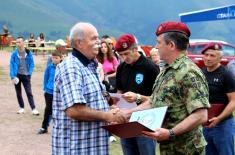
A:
(25, 80)
(48, 110)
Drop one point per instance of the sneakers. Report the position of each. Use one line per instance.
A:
(42, 131)
(112, 139)
(35, 112)
(21, 111)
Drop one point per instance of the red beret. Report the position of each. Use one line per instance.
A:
(173, 27)
(124, 42)
(213, 46)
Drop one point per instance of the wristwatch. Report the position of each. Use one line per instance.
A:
(138, 99)
(172, 134)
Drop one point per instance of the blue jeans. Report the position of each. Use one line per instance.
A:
(220, 139)
(138, 146)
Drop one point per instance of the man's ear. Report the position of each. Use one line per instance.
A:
(171, 44)
(135, 48)
(78, 43)
(221, 54)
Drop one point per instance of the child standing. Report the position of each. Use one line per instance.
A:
(48, 90)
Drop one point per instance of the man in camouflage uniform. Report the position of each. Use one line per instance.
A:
(182, 87)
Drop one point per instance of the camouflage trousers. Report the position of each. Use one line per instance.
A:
(187, 149)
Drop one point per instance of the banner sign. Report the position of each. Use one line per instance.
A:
(219, 13)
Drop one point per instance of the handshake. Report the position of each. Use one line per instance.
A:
(116, 115)
(15, 80)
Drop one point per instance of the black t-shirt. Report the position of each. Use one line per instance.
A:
(220, 82)
(138, 78)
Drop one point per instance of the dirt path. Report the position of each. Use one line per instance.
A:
(18, 132)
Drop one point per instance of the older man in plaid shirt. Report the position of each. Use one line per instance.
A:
(79, 106)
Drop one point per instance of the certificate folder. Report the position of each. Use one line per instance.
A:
(146, 120)
(127, 130)
(214, 111)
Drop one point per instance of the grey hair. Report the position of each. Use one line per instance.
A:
(77, 32)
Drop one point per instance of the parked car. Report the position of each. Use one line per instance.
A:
(197, 45)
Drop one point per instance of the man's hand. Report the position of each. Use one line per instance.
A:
(213, 122)
(15, 80)
(129, 96)
(116, 116)
(113, 107)
(160, 134)
(127, 113)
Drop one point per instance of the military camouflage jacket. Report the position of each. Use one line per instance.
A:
(183, 88)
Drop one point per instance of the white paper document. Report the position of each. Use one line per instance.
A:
(122, 103)
(151, 118)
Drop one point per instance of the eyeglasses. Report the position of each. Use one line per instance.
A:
(110, 43)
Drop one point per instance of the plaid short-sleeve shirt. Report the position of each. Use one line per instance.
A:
(77, 82)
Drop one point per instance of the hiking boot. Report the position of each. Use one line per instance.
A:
(35, 112)
(21, 111)
(42, 131)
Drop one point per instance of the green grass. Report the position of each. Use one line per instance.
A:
(115, 148)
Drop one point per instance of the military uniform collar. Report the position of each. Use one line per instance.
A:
(177, 61)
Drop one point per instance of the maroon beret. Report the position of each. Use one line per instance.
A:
(213, 46)
(173, 27)
(124, 42)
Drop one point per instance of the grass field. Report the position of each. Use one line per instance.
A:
(115, 148)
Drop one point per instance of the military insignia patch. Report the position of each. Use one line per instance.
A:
(216, 46)
(139, 78)
(124, 45)
(160, 28)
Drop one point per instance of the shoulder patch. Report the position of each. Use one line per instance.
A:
(139, 78)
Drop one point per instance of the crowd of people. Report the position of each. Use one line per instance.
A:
(77, 86)
(40, 41)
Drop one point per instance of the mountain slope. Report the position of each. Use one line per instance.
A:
(55, 17)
